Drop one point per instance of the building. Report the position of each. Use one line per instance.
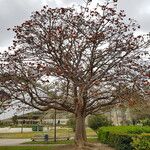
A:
(39, 117)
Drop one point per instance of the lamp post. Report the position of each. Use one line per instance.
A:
(55, 128)
(55, 124)
(23, 121)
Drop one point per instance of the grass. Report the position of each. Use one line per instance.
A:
(69, 145)
(63, 147)
(20, 135)
(25, 148)
(60, 142)
(60, 133)
(51, 142)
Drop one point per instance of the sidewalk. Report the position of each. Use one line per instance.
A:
(13, 142)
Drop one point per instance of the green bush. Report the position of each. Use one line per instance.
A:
(121, 137)
(119, 141)
(4, 124)
(127, 129)
(37, 128)
(141, 142)
(96, 121)
(103, 136)
(145, 122)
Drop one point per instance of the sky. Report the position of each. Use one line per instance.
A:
(15, 12)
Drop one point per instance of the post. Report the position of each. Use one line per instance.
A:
(22, 122)
(55, 125)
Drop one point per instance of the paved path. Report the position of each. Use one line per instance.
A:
(12, 142)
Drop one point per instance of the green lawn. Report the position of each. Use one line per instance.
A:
(20, 135)
(60, 133)
(60, 142)
(63, 147)
(51, 142)
(25, 148)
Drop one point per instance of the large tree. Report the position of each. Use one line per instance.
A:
(74, 60)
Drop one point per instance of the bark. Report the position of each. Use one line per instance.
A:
(80, 131)
(80, 134)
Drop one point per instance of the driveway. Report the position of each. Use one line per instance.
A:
(12, 142)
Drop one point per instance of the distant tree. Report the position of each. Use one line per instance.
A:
(136, 102)
(140, 111)
(73, 60)
(4, 124)
(72, 123)
(145, 121)
(97, 121)
(15, 119)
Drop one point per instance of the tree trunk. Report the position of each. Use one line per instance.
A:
(80, 131)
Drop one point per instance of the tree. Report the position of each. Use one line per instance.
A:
(72, 123)
(15, 119)
(97, 121)
(73, 60)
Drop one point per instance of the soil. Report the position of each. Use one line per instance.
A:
(72, 147)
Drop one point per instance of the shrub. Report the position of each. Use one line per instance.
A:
(121, 137)
(141, 142)
(145, 122)
(127, 129)
(103, 136)
(119, 141)
(37, 128)
(96, 121)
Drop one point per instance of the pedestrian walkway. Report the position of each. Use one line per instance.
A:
(13, 142)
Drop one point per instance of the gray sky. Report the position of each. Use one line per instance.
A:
(14, 12)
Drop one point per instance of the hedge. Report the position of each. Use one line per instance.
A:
(141, 142)
(124, 137)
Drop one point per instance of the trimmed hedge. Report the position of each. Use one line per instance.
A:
(141, 142)
(122, 137)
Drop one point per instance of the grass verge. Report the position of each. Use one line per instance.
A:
(60, 133)
(94, 140)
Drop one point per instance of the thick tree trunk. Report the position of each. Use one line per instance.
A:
(80, 131)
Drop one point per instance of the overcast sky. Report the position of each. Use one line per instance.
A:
(14, 12)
